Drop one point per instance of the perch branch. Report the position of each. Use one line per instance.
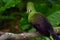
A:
(57, 30)
(22, 36)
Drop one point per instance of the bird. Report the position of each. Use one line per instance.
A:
(40, 22)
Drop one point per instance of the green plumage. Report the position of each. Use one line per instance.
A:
(33, 18)
(32, 12)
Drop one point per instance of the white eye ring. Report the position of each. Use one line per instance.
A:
(29, 11)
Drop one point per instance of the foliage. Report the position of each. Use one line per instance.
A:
(12, 10)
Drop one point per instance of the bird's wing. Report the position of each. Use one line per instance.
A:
(42, 25)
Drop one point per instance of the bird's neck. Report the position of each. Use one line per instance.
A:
(32, 17)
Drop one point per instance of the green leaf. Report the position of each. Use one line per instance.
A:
(24, 24)
(41, 7)
(1, 3)
(11, 3)
(20, 5)
(8, 4)
(55, 7)
(32, 30)
(54, 18)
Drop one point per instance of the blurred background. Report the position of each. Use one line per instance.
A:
(13, 16)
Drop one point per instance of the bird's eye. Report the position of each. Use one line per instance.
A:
(30, 10)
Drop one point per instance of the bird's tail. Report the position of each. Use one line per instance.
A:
(55, 36)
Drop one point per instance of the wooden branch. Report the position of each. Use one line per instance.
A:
(57, 30)
(22, 36)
